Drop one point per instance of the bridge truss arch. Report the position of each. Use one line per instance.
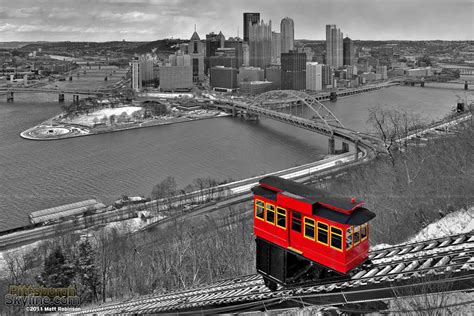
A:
(282, 100)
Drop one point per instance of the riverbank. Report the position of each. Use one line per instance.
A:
(48, 130)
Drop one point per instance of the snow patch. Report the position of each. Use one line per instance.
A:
(458, 222)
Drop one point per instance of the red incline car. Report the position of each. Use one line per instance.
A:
(305, 234)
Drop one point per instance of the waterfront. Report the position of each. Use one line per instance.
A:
(38, 175)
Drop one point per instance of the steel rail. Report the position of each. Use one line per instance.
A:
(251, 287)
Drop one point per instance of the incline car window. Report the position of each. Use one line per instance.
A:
(281, 217)
(356, 235)
(363, 231)
(309, 228)
(296, 221)
(270, 213)
(349, 238)
(322, 233)
(336, 238)
(259, 209)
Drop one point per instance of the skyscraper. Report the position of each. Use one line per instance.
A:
(253, 18)
(196, 51)
(260, 44)
(314, 72)
(276, 47)
(293, 71)
(142, 70)
(236, 43)
(213, 42)
(334, 47)
(348, 52)
(287, 35)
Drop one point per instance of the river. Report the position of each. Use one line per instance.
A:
(41, 174)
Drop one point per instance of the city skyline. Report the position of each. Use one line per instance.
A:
(147, 20)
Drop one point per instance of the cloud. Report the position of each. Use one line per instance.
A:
(134, 16)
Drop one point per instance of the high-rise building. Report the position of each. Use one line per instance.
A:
(287, 35)
(293, 71)
(224, 57)
(348, 52)
(142, 70)
(223, 78)
(327, 76)
(260, 44)
(196, 51)
(276, 47)
(314, 73)
(246, 54)
(250, 18)
(176, 78)
(213, 42)
(250, 74)
(273, 74)
(334, 49)
(382, 70)
(237, 45)
(177, 74)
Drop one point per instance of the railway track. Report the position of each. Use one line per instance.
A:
(444, 263)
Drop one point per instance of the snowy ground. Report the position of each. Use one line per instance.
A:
(88, 120)
(458, 222)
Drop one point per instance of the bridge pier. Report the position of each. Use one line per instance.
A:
(466, 86)
(331, 145)
(61, 97)
(250, 117)
(9, 96)
(75, 98)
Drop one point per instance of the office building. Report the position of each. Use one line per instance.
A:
(250, 19)
(246, 54)
(237, 45)
(223, 78)
(327, 77)
(260, 44)
(224, 57)
(142, 71)
(293, 71)
(196, 53)
(213, 42)
(314, 73)
(287, 28)
(334, 47)
(276, 47)
(273, 74)
(382, 70)
(255, 87)
(177, 74)
(308, 51)
(348, 52)
(176, 78)
(250, 74)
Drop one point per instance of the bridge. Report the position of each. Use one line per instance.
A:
(422, 81)
(288, 106)
(10, 92)
(463, 70)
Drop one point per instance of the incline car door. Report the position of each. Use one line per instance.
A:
(295, 237)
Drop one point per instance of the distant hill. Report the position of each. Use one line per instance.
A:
(164, 46)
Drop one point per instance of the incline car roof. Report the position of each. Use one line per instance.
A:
(319, 199)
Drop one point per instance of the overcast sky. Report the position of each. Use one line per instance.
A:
(147, 20)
